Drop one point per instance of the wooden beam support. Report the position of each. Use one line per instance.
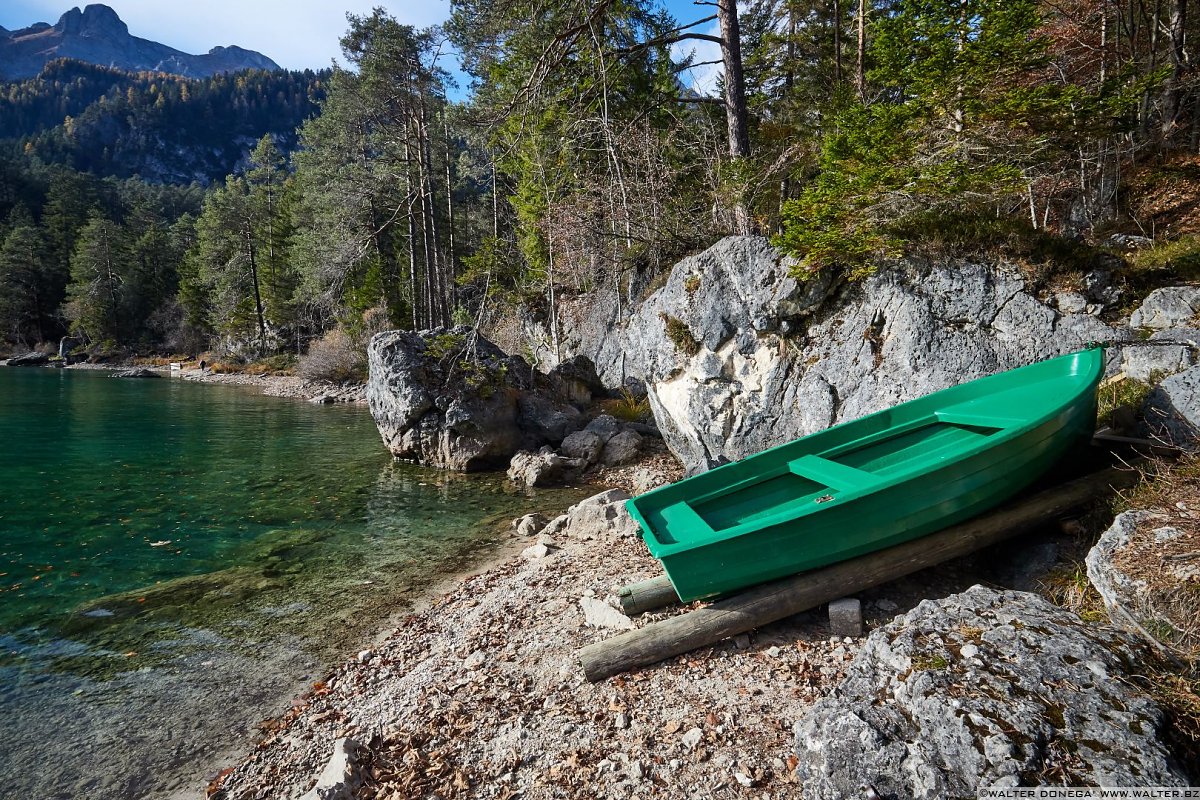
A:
(638, 598)
(774, 601)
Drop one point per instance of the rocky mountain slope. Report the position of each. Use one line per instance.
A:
(97, 35)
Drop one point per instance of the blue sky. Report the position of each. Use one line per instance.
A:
(295, 33)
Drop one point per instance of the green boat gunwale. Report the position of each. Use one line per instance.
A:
(1087, 374)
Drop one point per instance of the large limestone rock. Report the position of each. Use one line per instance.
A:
(739, 356)
(984, 689)
(1161, 610)
(1161, 357)
(1172, 410)
(451, 399)
(1169, 307)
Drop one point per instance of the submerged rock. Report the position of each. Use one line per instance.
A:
(984, 689)
(136, 372)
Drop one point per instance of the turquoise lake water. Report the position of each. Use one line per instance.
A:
(160, 537)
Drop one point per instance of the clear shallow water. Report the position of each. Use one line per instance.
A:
(168, 543)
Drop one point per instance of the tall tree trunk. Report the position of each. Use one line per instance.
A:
(860, 61)
(789, 83)
(837, 42)
(258, 305)
(1172, 88)
(414, 288)
(451, 259)
(736, 116)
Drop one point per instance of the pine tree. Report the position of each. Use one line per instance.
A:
(23, 282)
(98, 268)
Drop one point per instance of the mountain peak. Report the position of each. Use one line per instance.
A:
(95, 20)
(98, 35)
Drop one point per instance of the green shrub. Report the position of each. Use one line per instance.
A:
(628, 407)
(680, 334)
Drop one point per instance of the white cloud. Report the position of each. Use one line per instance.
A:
(295, 33)
(702, 79)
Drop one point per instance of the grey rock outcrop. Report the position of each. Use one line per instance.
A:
(1169, 307)
(1153, 612)
(1155, 361)
(451, 399)
(29, 360)
(136, 372)
(1172, 410)
(97, 35)
(959, 695)
(740, 356)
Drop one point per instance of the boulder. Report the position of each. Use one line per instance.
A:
(450, 398)
(1070, 302)
(1151, 363)
(1172, 410)
(543, 468)
(598, 614)
(1152, 612)
(1098, 286)
(604, 426)
(543, 420)
(623, 448)
(1169, 307)
(601, 515)
(341, 775)
(530, 524)
(741, 356)
(29, 360)
(958, 695)
(583, 444)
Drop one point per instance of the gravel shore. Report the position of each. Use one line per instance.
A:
(291, 386)
(480, 694)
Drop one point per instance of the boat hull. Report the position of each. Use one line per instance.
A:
(749, 531)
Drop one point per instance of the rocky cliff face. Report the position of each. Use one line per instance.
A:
(98, 36)
(739, 356)
(452, 399)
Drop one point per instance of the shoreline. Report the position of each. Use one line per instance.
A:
(482, 684)
(286, 386)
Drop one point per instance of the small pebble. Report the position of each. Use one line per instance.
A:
(622, 721)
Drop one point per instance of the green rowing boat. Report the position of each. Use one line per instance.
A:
(870, 483)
